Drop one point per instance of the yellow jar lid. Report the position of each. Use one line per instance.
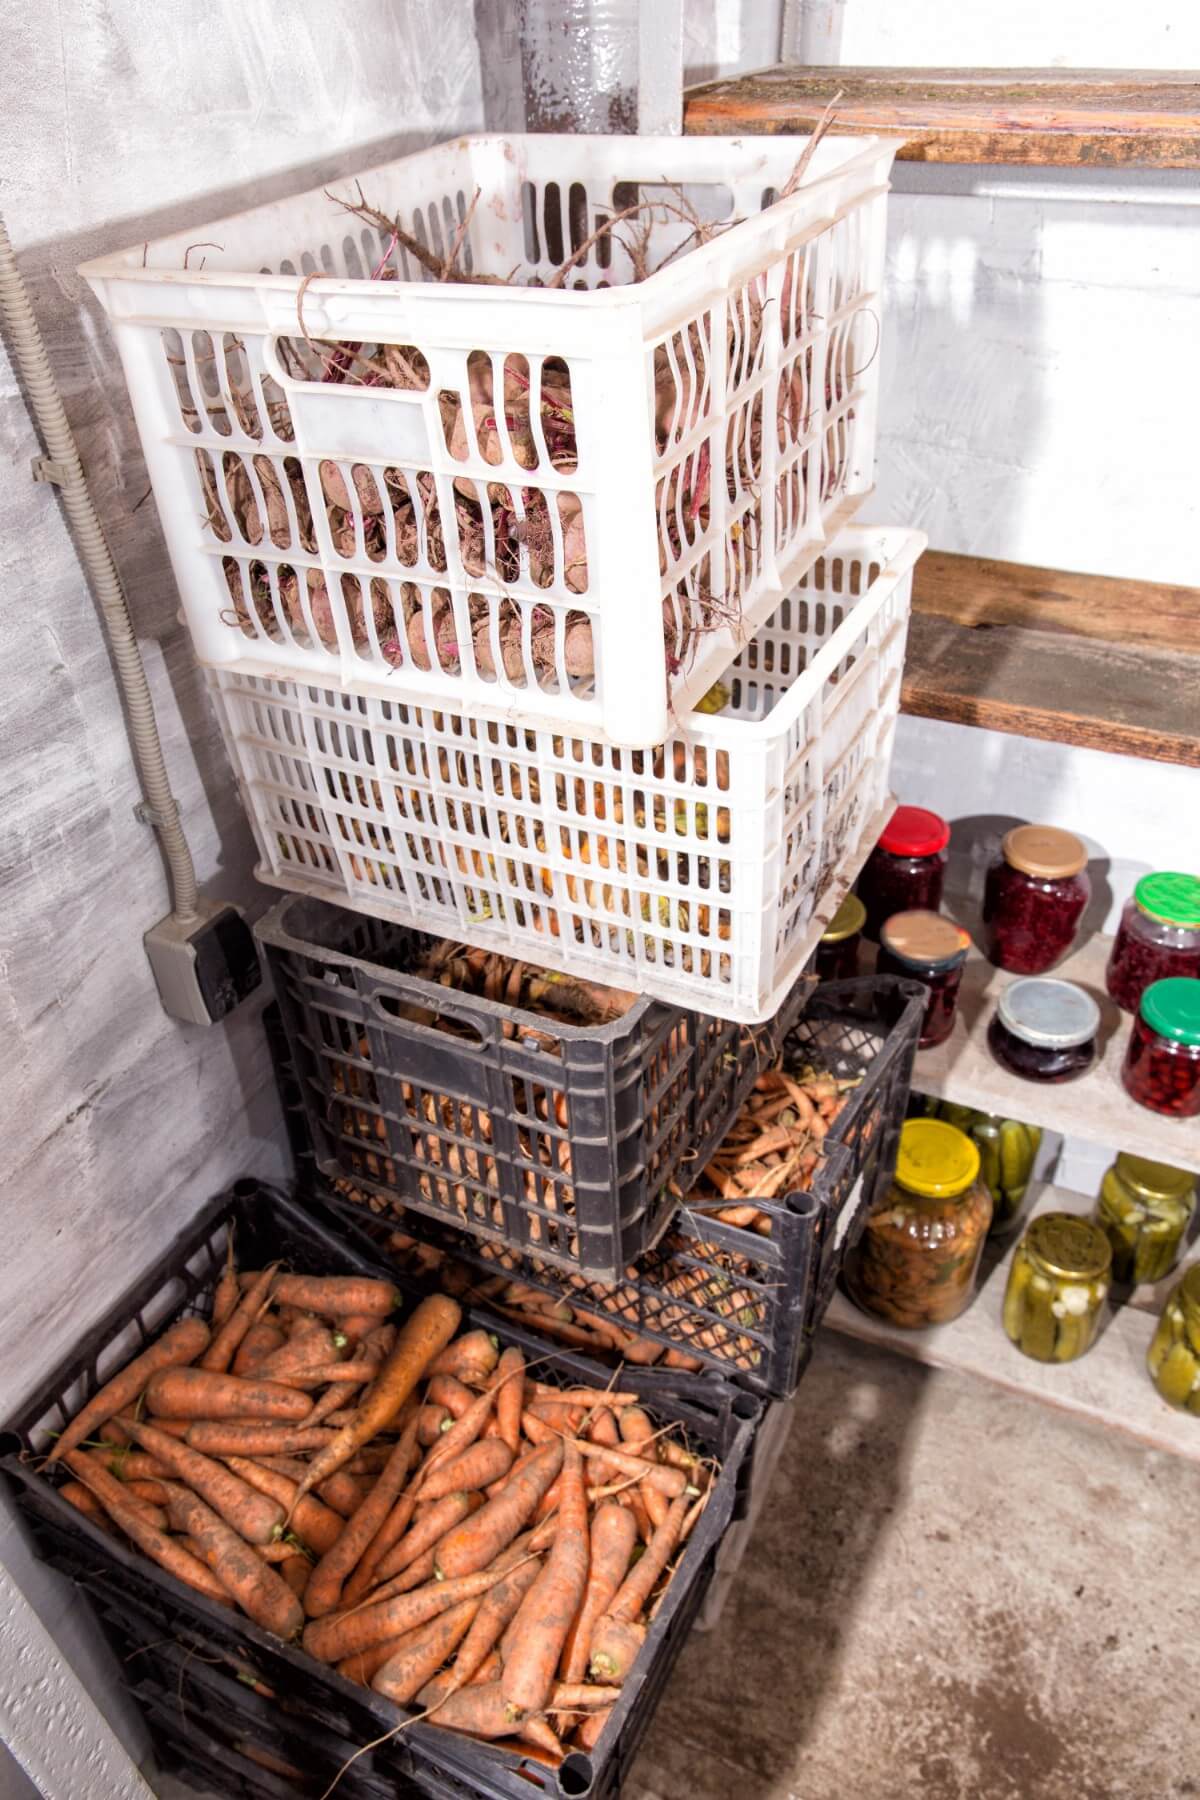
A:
(935, 1159)
(850, 917)
(1153, 1180)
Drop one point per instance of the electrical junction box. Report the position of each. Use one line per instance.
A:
(204, 967)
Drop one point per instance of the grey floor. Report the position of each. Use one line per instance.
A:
(952, 1594)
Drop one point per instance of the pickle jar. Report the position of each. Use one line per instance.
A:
(927, 948)
(1161, 1070)
(917, 1260)
(1159, 936)
(1044, 1029)
(837, 952)
(1173, 1358)
(1144, 1208)
(1033, 898)
(907, 867)
(1057, 1287)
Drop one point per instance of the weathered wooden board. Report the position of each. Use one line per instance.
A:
(1099, 117)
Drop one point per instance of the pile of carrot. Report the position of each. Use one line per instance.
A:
(412, 1503)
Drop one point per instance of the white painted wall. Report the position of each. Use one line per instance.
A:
(121, 119)
(1072, 34)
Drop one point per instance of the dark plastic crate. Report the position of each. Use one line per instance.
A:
(576, 1149)
(745, 1304)
(125, 1584)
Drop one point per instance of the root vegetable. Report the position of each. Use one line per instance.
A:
(405, 1673)
(484, 1462)
(201, 1394)
(478, 1541)
(618, 1637)
(325, 1583)
(331, 1639)
(180, 1345)
(614, 1534)
(262, 1594)
(225, 1345)
(540, 1628)
(254, 1516)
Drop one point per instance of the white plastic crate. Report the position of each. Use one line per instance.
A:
(702, 871)
(670, 454)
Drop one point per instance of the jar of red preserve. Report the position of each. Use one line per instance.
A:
(837, 952)
(1034, 898)
(906, 868)
(1162, 1062)
(1044, 1030)
(926, 947)
(1159, 936)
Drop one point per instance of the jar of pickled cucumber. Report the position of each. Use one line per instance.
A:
(1057, 1287)
(1144, 1208)
(918, 1257)
(1173, 1358)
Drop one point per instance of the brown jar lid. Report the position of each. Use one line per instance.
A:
(1044, 850)
(924, 939)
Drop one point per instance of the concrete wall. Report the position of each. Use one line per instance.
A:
(1071, 34)
(121, 119)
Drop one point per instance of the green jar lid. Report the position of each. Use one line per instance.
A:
(850, 917)
(1172, 1008)
(1173, 898)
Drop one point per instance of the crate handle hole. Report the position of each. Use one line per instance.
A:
(576, 1774)
(424, 1018)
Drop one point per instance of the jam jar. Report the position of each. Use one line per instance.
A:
(907, 867)
(1033, 898)
(1173, 1358)
(1159, 936)
(1044, 1030)
(926, 947)
(917, 1259)
(837, 952)
(1057, 1287)
(1162, 1063)
(1144, 1208)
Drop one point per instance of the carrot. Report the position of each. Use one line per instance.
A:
(657, 1505)
(181, 1344)
(316, 1525)
(133, 1465)
(226, 1343)
(588, 1734)
(255, 1437)
(305, 1348)
(91, 1469)
(349, 1375)
(329, 1640)
(478, 1541)
(475, 1354)
(537, 1431)
(386, 1538)
(169, 1555)
(497, 1609)
(541, 1626)
(618, 1637)
(336, 1296)
(582, 1396)
(449, 1391)
(481, 1711)
(254, 1516)
(151, 1491)
(176, 1428)
(259, 1341)
(458, 1437)
(295, 1571)
(356, 1326)
(581, 1696)
(442, 1515)
(668, 1480)
(262, 1594)
(362, 1664)
(325, 1583)
(416, 1575)
(404, 1674)
(603, 1428)
(614, 1534)
(484, 1462)
(203, 1394)
(424, 1333)
(547, 1748)
(341, 1492)
(636, 1426)
(431, 1424)
(680, 1359)
(84, 1501)
(225, 1294)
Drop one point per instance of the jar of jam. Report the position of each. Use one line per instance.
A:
(1162, 1062)
(907, 867)
(1159, 936)
(928, 948)
(837, 952)
(1044, 1030)
(917, 1259)
(1033, 898)
(1057, 1287)
(1144, 1208)
(1173, 1358)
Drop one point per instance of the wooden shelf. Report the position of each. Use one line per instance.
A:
(1078, 659)
(1109, 1385)
(1148, 119)
(1095, 1107)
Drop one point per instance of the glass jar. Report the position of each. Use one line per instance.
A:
(837, 952)
(1057, 1287)
(1173, 1358)
(1044, 1030)
(1162, 1063)
(907, 867)
(917, 1259)
(928, 948)
(1144, 1208)
(1033, 898)
(1007, 1152)
(1159, 936)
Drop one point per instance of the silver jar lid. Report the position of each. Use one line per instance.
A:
(1051, 1015)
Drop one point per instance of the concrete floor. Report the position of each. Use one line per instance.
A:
(951, 1594)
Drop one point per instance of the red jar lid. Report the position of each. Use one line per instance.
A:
(912, 831)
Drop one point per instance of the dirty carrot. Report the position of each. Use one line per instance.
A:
(262, 1594)
(226, 1292)
(181, 1344)
(331, 1639)
(255, 1437)
(91, 1468)
(255, 1516)
(450, 1392)
(336, 1296)
(497, 1610)
(302, 1350)
(478, 1541)
(167, 1553)
(665, 1477)
(442, 1516)
(510, 1396)
(618, 1637)
(614, 1534)
(314, 1523)
(259, 1341)
(84, 1501)
(544, 1619)
(484, 1462)
(203, 1394)
(325, 1583)
(405, 1673)
(225, 1344)
(473, 1355)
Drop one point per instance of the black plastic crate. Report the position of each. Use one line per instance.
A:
(126, 1585)
(576, 1147)
(745, 1304)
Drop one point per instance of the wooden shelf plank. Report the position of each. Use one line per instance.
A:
(1097, 117)
(1110, 1385)
(1095, 1107)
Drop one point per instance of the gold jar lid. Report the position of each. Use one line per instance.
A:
(1189, 1289)
(1153, 1180)
(1068, 1245)
(1044, 850)
(924, 939)
(850, 917)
